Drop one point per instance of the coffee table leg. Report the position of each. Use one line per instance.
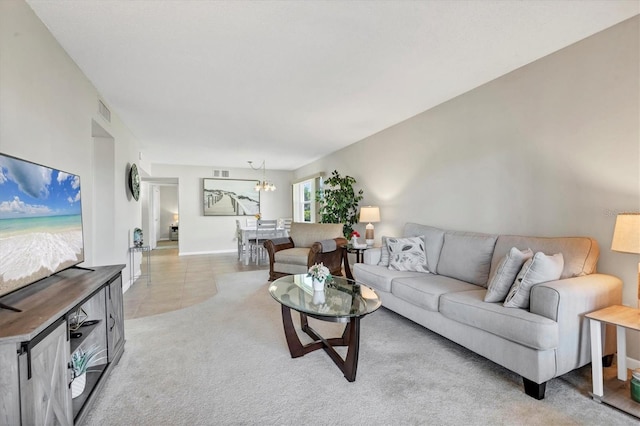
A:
(351, 361)
(350, 338)
(295, 346)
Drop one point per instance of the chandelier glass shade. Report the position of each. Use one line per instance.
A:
(264, 184)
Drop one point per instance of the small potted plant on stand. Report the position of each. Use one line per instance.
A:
(81, 360)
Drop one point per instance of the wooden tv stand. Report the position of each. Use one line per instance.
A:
(36, 344)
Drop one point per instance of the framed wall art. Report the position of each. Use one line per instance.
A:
(230, 197)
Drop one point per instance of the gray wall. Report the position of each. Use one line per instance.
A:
(201, 234)
(48, 114)
(551, 149)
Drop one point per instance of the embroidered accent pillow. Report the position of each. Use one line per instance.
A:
(539, 269)
(407, 254)
(505, 274)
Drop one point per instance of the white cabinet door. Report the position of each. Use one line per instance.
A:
(45, 393)
(115, 319)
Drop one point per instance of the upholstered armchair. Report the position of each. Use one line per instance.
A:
(307, 244)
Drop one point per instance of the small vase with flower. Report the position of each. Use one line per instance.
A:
(354, 238)
(319, 274)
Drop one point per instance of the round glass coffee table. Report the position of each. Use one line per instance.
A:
(342, 300)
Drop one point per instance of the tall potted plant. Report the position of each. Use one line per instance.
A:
(339, 202)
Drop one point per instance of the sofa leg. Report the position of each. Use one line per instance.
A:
(533, 389)
(607, 360)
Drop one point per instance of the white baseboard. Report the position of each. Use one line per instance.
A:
(195, 253)
(633, 363)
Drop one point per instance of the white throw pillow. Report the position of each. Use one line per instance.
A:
(407, 254)
(505, 274)
(539, 269)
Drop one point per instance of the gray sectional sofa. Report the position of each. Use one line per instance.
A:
(548, 339)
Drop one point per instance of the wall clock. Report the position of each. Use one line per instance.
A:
(134, 182)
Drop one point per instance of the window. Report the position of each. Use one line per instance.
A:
(304, 201)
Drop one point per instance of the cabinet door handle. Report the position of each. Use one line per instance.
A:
(72, 374)
(113, 323)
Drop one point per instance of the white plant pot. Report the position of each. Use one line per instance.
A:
(318, 285)
(77, 386)
(318, 297)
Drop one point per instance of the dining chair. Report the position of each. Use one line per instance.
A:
(241, 247)
(265, 230)
(251, 222)
(285, 223)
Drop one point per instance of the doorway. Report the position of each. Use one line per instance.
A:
(161, 213)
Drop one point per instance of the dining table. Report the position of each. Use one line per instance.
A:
(250, 233)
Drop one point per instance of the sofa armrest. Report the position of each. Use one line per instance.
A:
(566, 302)
(372, 256)
(328, 252)
(560, 300)
(273, 246)
(278, 244)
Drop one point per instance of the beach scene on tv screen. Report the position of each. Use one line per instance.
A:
(40, 222)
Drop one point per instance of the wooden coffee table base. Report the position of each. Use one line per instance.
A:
(350, 338)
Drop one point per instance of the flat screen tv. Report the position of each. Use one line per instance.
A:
(40, 222)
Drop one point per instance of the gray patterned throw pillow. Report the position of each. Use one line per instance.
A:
(407, 254)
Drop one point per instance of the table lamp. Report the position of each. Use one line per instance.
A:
(369, 214)
(626, 237)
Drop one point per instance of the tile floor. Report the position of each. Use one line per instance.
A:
(178, 281)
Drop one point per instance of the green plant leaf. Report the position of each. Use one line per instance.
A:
(339, 202)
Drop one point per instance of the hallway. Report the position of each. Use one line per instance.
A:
(179, 281)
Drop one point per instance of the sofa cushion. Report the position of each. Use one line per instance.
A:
(433, 238)
(293, 256)
(502, 278)
(379, 277)
(539, 269)
(424, 291)
(467, 256)
(305, 234)
(580, 253)
(407, 254)
(289, 268)
(517, 325)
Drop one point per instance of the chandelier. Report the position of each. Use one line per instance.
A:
(264, 184)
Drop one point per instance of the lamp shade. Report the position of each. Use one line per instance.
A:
(626, 234)
(369, 214)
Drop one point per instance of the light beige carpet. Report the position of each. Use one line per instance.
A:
(225, 362)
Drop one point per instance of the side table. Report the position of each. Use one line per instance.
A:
(132, 251)
(618, 394)
(173, 233)
(346, 249)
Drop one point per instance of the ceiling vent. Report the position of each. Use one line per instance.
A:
(221, 173)
(104, 111)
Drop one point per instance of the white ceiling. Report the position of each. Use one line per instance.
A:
(218, 83)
